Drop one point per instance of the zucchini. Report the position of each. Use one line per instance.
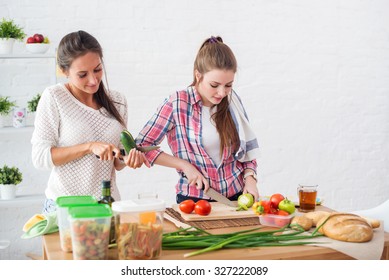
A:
(127, 141)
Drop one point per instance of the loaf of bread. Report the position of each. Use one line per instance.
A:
(302, 222)
(373, 222)
(315, 216)
(346, 227)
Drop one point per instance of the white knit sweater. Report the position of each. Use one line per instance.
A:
(61, 121)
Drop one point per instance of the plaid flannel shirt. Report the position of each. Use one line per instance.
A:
(179, 119)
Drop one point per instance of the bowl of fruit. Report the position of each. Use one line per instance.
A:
(37, 44)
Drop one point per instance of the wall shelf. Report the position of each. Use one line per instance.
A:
(27, 55)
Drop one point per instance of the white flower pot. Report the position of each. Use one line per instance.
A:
(8, 192)
(6, 45)
(19, 117)
(5, 120)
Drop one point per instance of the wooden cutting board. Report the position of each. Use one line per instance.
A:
(219, 211)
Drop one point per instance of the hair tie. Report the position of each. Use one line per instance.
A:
(213, 39)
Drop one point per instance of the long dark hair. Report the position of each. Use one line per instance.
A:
(77, 44)
(214, 54)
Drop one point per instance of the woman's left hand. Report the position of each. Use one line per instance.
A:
(251, 187)
(135, 159)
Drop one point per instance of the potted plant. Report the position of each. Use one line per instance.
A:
(9, 33)
(5, 108)
(10, 177)
(31, 108)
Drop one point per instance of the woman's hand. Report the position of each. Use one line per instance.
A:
(195, 178)
(104, 151)
(251, 187)
(135, 159)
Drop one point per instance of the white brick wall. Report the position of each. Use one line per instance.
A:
(313, 76)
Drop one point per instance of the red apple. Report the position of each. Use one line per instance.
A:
(31, 40)
(38, 38)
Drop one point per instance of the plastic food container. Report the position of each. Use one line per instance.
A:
(63, 204)
(90, 227)
(275, 220)
(139, 227)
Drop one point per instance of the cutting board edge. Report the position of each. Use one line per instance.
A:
(195, 218)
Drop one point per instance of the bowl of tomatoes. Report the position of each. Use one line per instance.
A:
(277, 211)
(275, 220)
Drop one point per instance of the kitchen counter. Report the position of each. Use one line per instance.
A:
(52, 250)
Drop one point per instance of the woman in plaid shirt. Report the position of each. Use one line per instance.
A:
(207, 131)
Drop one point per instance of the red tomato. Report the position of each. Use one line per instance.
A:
(282, 213)
(280, 221)
(187, 206)
(202, 207)
(275, 199)
(267, 220)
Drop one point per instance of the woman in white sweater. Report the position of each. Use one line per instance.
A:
(78, 125)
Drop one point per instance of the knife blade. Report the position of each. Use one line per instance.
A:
(220, 198)
(217, 196)
(147, 148)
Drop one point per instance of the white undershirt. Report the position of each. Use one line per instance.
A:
(210, 136)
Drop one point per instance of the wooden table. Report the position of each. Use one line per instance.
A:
(52, 250)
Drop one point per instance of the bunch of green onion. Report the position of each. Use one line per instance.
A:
(195, 238)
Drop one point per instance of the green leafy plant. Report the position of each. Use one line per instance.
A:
(33, 103)
(6, 105)
(8, 29)
(10, 175)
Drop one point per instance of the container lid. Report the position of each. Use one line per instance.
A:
(139, 205)
(90, 211)
(68, 201)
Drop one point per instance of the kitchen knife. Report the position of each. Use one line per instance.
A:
(147, 148)
(122, 153)
(220, 198)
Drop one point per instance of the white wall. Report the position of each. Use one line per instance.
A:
(312, 74)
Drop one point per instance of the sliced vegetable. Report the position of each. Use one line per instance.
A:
(245, 201)
(90, 240)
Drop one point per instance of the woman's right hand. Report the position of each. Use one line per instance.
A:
(104, 151)
(195, 177)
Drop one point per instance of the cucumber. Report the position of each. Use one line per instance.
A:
(127, 141)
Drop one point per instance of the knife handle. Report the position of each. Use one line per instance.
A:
(202, 185)
(122, 153)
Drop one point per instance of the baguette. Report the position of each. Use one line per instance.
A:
(302, 221)
(346, 227)
(373, 222)
(315, 216)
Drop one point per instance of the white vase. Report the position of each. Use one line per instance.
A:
(19, 117)
(8, 192)
(6, 45)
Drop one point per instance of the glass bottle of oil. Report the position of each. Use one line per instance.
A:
(106, 198)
